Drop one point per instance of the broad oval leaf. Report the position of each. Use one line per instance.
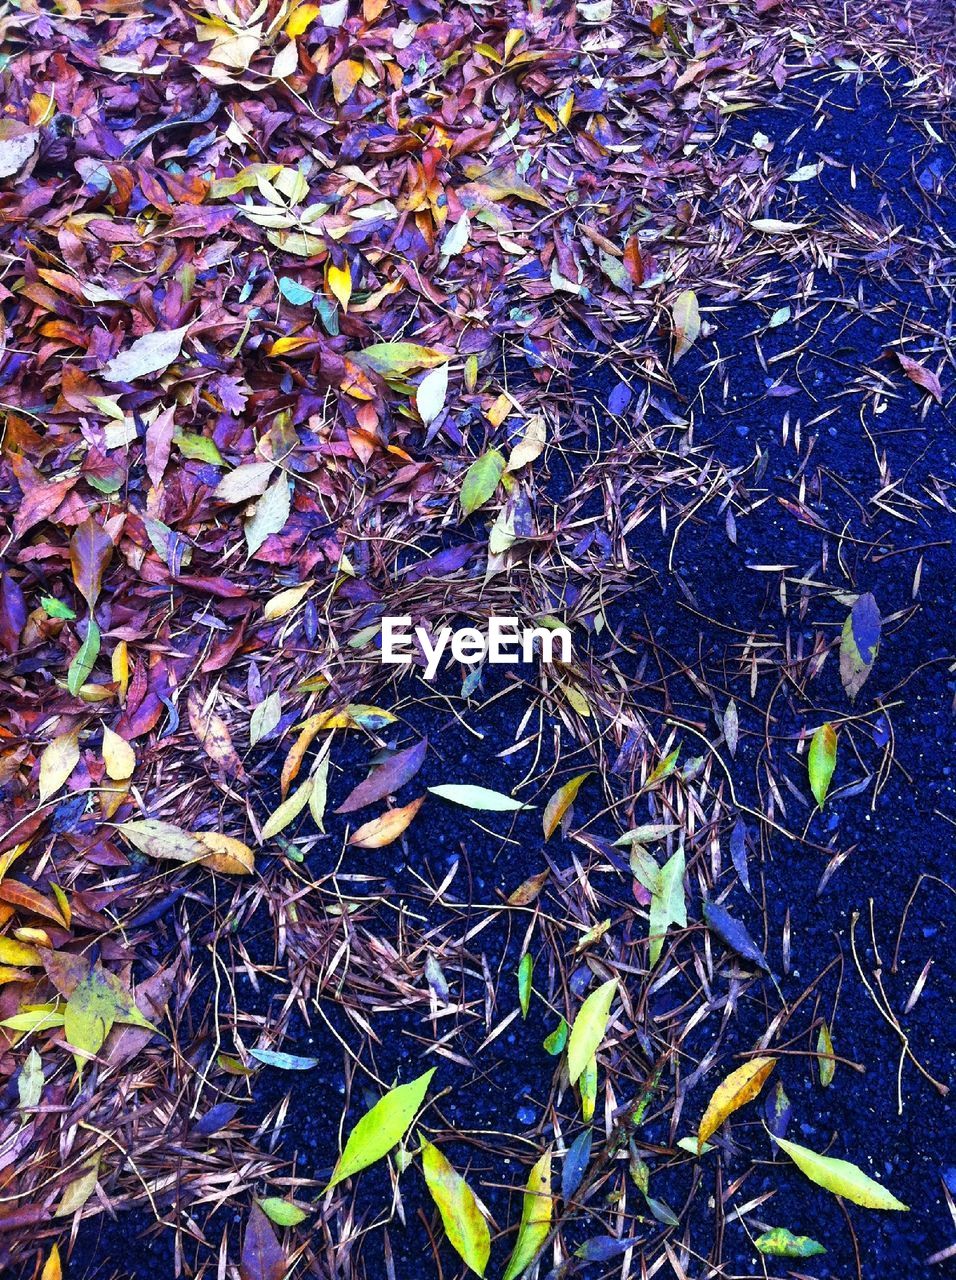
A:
(149, 354)
(535, 1218)
(464, 1224)
(118, 756)
(57, 761)
(381, 1128)
(589, 1028)
(560, 803)
(473, 797)
(859, 643)
(481, 480)
(282, 1212)
(841, 1177)
(740, 1087)
(821, 761)
(430, 394)
(263, 1258)
(163, 840)
(228, 856)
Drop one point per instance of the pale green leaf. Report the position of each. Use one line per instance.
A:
(589, 1028)
(289, 809)
(282, 1212)
(85, 659)
(685, 318)
(269, 514)
(474, 797)
(668, 905)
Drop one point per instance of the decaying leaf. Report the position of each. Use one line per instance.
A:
(685, 318)
(859, 643)
(739, 1088)
(383, 830)
(560, 803)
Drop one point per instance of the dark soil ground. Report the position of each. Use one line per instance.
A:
(699, 595)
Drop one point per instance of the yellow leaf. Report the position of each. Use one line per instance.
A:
(283, 345)
(286, 601)
(118, 756)
(52, 1268)
(740, 1087)
(841, 1178)
(119, 664)
(60, 757)
(535, 1218)
(228, 856)
(345, 76)
(18, 953)
(560, 803)
(301, 19)
(340, 284)
(382, 831)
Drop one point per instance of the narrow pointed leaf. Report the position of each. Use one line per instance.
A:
(589, 1028)
(740, 1087)
(535, 1219)
(821, 761)
(381, 1128)
(841, 1177)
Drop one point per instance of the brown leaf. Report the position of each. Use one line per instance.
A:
(922, 376)
(262, 1255)
(91, 549)
(214, 736)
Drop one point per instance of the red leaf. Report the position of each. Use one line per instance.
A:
(90, 551)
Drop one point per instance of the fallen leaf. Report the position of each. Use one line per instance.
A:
(560, 803)
(685, 319)
(923, 377)
(739, 1088)
(381, 1128)
(464, 1224)
(589, 1027)
(535, 1224)
(475, 797)
(821, 761)
(382, 831)
(149, 354)
(841, 1177)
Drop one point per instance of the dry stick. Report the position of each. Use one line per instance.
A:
(889, 1017)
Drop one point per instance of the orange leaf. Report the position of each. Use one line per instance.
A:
(383, 830)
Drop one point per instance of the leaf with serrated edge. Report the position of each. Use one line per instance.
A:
(740, 1087)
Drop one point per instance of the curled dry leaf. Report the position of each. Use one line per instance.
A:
(740, 1087)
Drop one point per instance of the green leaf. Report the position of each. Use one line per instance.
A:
(589, 1028)
(667, 903)
(56, 608)
(821, 761)
(85, 659)
(282, 1212)
(464, 1224)
(199, 448)
(391, 358)
(473, 797)
(555, 1042)
(535, 1218)
(587, 1086)
(840, 1177)
(828, 1064)
(97, 1002)
(381, 1128)
(525, 970)
(289, 809)
(781, 1243)
(481, 480)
